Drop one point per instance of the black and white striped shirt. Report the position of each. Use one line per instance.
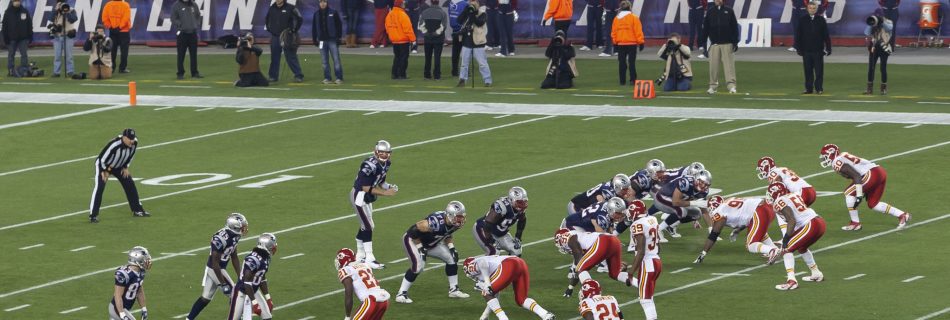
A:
(116, 154)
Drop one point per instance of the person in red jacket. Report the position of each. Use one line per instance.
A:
(402, 35)
(627, 34)
(561, 12)
(116, 16)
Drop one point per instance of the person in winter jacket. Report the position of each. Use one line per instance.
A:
(18, 34)
(627, 34)
(561, 67)
(186, 18)
(283, 22)
(560, 12)
(62, 28)
(99, 47)
(116, 16)
(327, 32)
(722, 29)
(433, 23)
(678, 73)
(474, 37)
(403, 36)
(812, 43)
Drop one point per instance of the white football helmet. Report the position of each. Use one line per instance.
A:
(139, 257)
(268, 241)
(383, 150)
(695, 168)
(518, 197)
(619, 183)
(455, 213)
(236, 223)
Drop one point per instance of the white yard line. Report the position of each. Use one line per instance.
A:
(680, 120)
(589, 118)
(912, 126)
(350, 216)
(635, 119)
(725, 121)
(912, 279)
(599, 95)
(771, 99)
(291, 256)
(855, 276)
(176, 254)
(502, 116)
(27, 83)
(932, 102)
(149, 146)
(204, 109)
(33, 246)
(267, 88)
(934, 315)
(863, 125)
(430, 91)
(459, 115)
(307, 318)
(817, 123)
(730, 274)
(163, 108)
(186, 87)
(245, 110)
(287, 111)
(681, 270)
(857, 101)
(103, 85)
(371, 113)
(564, 266)
(17, 308)
(513, 93)
(414, 114)
(82, 248)
(800, 273)
(342, 89)
(61, 116)
(72, 310)
(687, 98)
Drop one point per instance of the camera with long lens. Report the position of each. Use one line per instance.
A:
(243, 41)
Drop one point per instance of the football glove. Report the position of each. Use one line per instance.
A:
(144, 314)
(455, 254)
(702, 255)
(127, 316)
(734, 235)
(225, 288)
(480, 286)
(270, 303)
(572, 273)
(515, 16)
(423, 252)
(517, 242)
(488, 292)
(568, 292)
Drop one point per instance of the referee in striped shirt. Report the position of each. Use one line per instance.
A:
(115, 159)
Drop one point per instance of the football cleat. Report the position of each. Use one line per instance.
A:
(457, 293)
(903, 220)
(403, 297)
(814, 277)
(142, 213)
(632, 248)
(375, 265)
(855, 226)
(673, 232)
(94, 219)
(788, 285)
(662, 238)
(549, 316)
(602, 269)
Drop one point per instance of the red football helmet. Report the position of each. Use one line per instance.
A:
(590, 288)
(775, 190)
(636, 210)
(561, 238)
(470, 269)
(764, 166)
(828, 154)
(713, 203)
(344, 257)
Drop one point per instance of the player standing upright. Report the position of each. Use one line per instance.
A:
(370, 183)
(646, 266)
(358, 278)
(128, 285)
(252, 284)
(809, 227)
(223, 249)
(867, 180)
(495, 273)
(594, 306)
(432, 237)
(491, 231)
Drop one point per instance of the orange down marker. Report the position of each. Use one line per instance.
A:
(132, 93)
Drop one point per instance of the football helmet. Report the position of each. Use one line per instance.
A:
(344, 257)
(636, 210)
(139, 257)
(471, 270)
(713, 203)
(775, 190)
(236, 223)
(695, 168)
(561, 238)
(268, 241)
(619, 183)
(615, 205)
(654, 167)
(383, 150)
(590, 288)
(703, 180)
(455, 213)
(518, 197)
(764, 166)
(828, 154)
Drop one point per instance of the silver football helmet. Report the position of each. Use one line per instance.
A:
(615, 205)
(268, 241)
(653, 166)
(619, 183)
(455, 213)
(518, 197)
(236, 223)
(704, 176)
(383, 150)
(139, 257)
(695, 168)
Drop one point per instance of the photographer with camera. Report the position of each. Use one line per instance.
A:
(63, 32)
(474, 37)
(627, 34)
(116, 16)
(17, 33)
(186, 17)
(561, 66)
(879, 32)
(99, 47)
(283, 23)
(248, 59)
(813, 43)
(678, 74)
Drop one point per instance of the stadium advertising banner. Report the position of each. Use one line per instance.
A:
(151, 20)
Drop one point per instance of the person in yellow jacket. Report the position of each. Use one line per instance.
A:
(561, 12)
(402, 35)
(627, 35)
(116, 16)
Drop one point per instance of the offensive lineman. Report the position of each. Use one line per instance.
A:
(223, 249)
(252, 285)
(491, 231)
(357, 278)
(618, 186)
(370, 183)
(865, 176)
(432, 236)
(128, 285)
(674, 199)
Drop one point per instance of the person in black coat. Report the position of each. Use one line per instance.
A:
(327, 33)
(813, 43)
(17, 34)
(561, 70)
(283, 22)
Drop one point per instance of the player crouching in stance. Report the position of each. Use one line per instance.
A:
(253, 282)
(594, 306)
(128, 285)
(358, 278)
(738, 214)
(809, 227)
(432, 237)
(495, 273)
(674, 198)
(223, 249)
(491, 231)
(867, 180)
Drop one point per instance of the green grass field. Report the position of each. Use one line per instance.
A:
(438, 158)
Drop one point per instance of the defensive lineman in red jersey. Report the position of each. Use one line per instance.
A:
(867, 183)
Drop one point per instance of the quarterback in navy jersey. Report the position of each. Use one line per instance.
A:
(675, 197)
(370, 183)
(128, 286)
(596, 218)
(251, 294)
(223, 250)
(618, 186)
(432, 237)
(491, 231)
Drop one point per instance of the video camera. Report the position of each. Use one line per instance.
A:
(244, 40)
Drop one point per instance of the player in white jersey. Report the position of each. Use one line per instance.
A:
(594, 306)
(495, 273)
(768, 170)
(357, 278)
(739, 213)
(809, 227)
(867, 181)
(646, 265)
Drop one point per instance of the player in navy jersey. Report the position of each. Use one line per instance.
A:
(432, 237)
(491, 231)
(252, 285)
(674, 199)
(596, 218)
(370, 183)
(128, 285)
(618, 186)
(223, 249)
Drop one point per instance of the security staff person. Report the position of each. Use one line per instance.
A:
(812, 43)
(114, 160)
(186, 17)
(116, 17)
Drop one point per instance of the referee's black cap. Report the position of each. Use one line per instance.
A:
(129, 133)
